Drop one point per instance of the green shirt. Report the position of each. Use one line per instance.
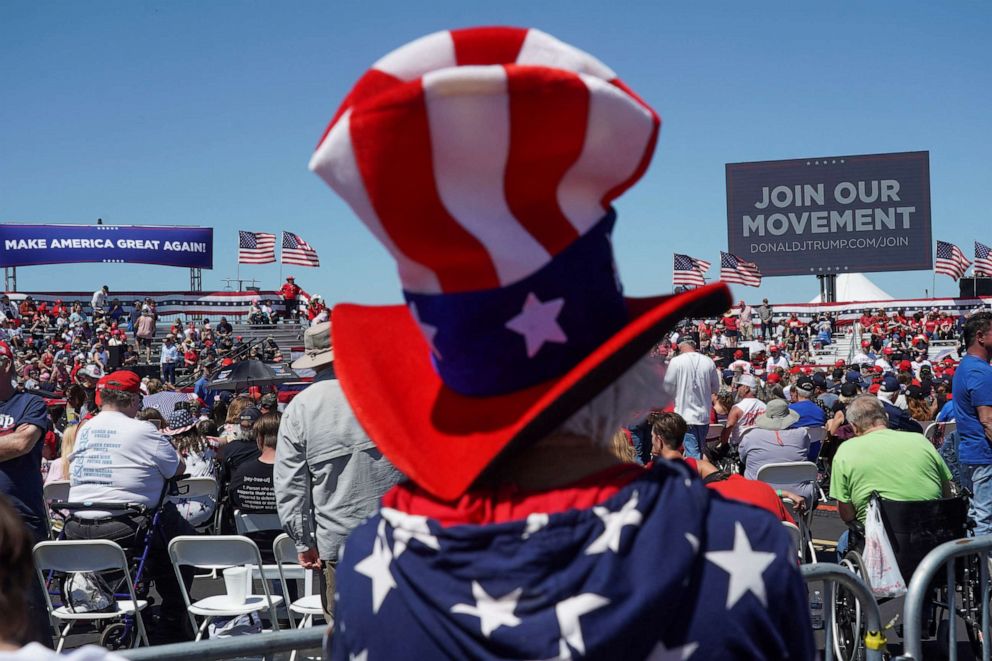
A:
(898, 465)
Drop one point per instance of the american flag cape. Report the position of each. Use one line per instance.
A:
(662, 569)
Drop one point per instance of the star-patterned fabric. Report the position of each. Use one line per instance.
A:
(662, 569)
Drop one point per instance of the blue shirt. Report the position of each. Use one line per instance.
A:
(972, 388)
(810, 414)
(20, 478)
(946, 412)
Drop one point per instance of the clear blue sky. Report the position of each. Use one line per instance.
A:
(206, 113)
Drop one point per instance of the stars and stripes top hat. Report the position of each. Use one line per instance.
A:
(485, 160)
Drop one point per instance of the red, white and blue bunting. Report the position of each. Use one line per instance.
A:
(230, 304)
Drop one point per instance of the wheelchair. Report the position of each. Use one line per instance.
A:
(914, 529)
(120, 633)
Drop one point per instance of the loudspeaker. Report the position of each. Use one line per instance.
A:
(115, 357)
(972, 287)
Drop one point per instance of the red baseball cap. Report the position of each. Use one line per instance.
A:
(773, 378)
(905, 366)
(840, 362)
(865, 343)
(887, 350)
(5, 350)
(873, 388)
(738, 354)
(121, 381)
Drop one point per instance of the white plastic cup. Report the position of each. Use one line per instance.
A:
(236, 583)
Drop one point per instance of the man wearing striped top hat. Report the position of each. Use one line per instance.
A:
(486, 161)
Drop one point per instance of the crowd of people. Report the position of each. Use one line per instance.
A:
(508, 455)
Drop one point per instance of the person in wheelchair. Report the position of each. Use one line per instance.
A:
(119, 459)
(898, 466)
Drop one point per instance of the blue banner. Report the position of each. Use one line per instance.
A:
(32, 245)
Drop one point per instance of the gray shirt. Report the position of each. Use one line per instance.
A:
(764, 313)
(765, 446)
(329, 476)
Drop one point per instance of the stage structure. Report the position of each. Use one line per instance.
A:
(39, 245)
(824, 216)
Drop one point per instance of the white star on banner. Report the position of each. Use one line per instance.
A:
(681, 653)
(744, 566)
(361, 656)
(614, 522)
(535, 522)
(568, 612)
(538, 323)
(376, 567)
(407, 527)
(493, 612)
(428, 330)
(693, 541)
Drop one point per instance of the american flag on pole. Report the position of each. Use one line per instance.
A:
(735, 270)
(983, 262)
(256, 247)
(688, 271)
(950, 260)
(297, 251)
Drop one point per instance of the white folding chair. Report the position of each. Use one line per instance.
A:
(791, 472)
(796, 536)
(97, 555)
(309, 605)
(220, 552)
(197, 487)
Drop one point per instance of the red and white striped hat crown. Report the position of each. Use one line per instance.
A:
(504, 145)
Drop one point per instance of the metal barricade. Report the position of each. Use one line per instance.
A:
(829, 573)
(945, 556)
(260, 644)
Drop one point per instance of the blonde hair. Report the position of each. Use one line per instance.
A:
(621, 448)
(237, 407)
(67, 445)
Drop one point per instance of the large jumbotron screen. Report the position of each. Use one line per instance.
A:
(831, 215)
(30, 245)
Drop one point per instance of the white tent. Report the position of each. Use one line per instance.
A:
(855, 288)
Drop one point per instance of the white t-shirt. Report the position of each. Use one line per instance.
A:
(745, 366)
(118, 459)
(751, 408)
(691, 380)
(773, 363)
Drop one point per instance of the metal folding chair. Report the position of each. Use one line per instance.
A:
(796, 536)
(97, 555)
(55, 491)
(790, 472)
(220, 552)
(197, 487)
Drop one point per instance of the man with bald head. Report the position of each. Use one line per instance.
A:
(691, 380)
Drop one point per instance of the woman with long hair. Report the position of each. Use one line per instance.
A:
(194, 449)
(59, 469)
